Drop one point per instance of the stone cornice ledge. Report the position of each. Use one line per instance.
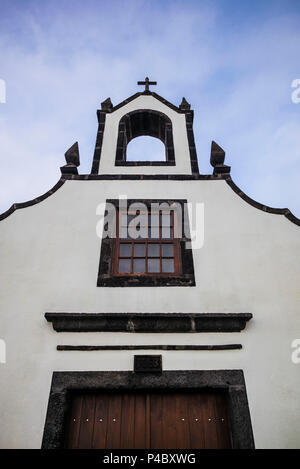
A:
(148, 322)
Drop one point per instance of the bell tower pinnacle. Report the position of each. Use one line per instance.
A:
(145, 114)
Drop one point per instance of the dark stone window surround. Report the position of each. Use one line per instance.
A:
(106, 277)
(229, 381)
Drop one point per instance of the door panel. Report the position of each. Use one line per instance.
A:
(148, 420)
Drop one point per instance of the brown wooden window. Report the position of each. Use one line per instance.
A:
(149, 248)
(147, 245)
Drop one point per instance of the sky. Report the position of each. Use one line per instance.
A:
(234, 61)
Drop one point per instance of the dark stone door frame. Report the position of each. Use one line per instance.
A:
(231, 381)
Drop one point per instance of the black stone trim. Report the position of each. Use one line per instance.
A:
(128, 100)
(277, 211)
(108, 280)
(145, 163)
(33, 201)
(189, 117)
(149, 93)
(99, 140)
(165, 177)
(92, 348)
(123, 138)
(148, 322)
(232, 382)
(193, 177)
(101, 114)
(95, 177)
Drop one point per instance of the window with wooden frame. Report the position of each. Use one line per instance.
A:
(149, 247)
(146, 244)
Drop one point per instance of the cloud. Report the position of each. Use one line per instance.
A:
(61, 59)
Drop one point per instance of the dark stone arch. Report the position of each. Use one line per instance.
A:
(231, 382)
(145, 122)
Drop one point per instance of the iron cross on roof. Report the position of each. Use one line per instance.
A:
(147, 83)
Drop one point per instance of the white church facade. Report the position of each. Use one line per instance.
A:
(146, 305)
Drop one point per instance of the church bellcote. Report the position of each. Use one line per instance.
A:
(145, 114)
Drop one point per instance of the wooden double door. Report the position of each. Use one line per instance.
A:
(148, 420)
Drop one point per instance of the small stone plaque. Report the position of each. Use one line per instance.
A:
(147, 363)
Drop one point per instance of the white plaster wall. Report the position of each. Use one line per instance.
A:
(249, 263)
(110, 137)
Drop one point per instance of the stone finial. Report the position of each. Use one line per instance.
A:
(107, 105)
(72, 155)
(72, 159)
(184, 106)
(217, 158)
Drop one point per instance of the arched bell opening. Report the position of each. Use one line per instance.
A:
(145, 148)
(149, 123)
